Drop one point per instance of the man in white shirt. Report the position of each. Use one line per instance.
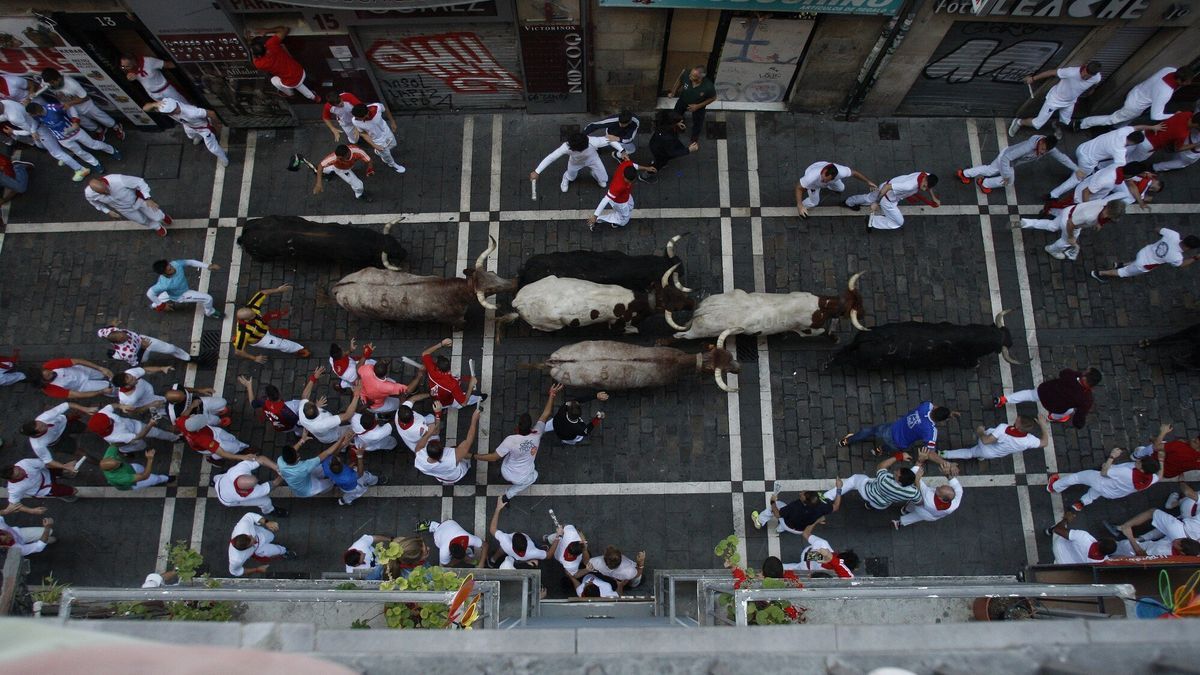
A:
(580, 151)
(1153, 93)
(888, 196)
(377, 127)
(322, 424)
(1076, 547)
(1073, 81)
(253, 538)
(1003, 440)
(935, 504)
(410, 425)
(238, 487)
(1168, 536)
(1111, 481)
(447, 465)
(1071, 222)
(512, 547)
(518, 452)
(74, 98)
(593, 586)
(1169, 250)
(27, 540)
(370, 434)
(31, 477)
(456, 547)
(824, 176)
(148, 71)
(127, 434)
(568, 547)
(1103, 151)
(48, 428)
(198, 124)
(819, 556)
(135, 394)
(1002, 170)
(119, 196)
(627, 573)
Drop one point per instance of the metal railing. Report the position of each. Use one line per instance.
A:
(529, 580)
(489, 603)
(713, 612)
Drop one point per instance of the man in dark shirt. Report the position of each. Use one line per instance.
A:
(696, 92)
(1066, 398)
(665, 144)
(569, 423)
(622, 128)
(795, 516)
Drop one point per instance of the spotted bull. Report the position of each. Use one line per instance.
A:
(915, 344)
(393, 295)
(634, 272)
(770, 313)
(293, 238)
(604, 364)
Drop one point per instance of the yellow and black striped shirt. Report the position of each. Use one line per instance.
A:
(247, 333)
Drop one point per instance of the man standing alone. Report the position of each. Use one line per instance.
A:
(696, 92)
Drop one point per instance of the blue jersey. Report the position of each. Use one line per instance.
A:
(915, 428)
(175, 285)
(346, 479)
(57, 121)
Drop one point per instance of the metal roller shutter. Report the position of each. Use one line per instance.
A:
(1125, 41)
(446, 67)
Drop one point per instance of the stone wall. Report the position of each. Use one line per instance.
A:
(627, 52)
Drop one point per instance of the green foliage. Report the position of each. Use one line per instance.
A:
(200, 610)
(760, 613)
(346, 586)
(184, 560)
(52, 590)
(411, 614)
(727, 551)
(359, 624)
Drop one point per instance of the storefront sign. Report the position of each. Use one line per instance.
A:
(759, 59)
(792, 6)
(482, 8)
(1046, 9)
(554, 67)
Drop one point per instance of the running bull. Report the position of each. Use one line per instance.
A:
(392, 295)
(604, 364)
(293, 238)
(635, 272)
(915, 344)
(770, 313)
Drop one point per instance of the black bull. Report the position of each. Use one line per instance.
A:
(1186, 343)
(915, 344)
(635, 272)
(293, 238)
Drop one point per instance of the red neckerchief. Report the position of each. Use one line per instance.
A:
(941, 504)
(1094, 552)
(1172, 80)
(1141, 479)
(238, 489)
(1014, 432)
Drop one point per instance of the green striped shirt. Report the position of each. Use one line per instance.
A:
(883, 490)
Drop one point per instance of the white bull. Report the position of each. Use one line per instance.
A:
(554, 303)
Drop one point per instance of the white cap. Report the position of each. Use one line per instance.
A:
(167, 106)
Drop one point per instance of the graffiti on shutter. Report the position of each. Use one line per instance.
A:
(979, 68)
(444, 70)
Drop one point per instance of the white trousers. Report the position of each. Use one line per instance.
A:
(889, 217)
(81, 140)
(158, 346)
(855, 482)
(11, 377)
(210, 141)
(383, 150)
(304, 91)
(1133, 106)
(91, 117)
(1056, 224)
(520, 484)
(765, 516)
(145, 215)
(140, 445)
(349, 176)
(814, 194)
(350, 132)
(203, 299)
(980, 450)
(594, 165)
(1047, 111)
(278, 344)
(919, 513)
(1177, 160)
(1098, 486)
(618, 214)
(389, 405)
(364, 481)
(169, 92)
(52, 146)
(151, 481)
(259, 497)
(992, 173)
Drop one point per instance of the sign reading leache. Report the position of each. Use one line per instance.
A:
(878, 7)
(1047, 9)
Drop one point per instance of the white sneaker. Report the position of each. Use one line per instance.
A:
(223, 161)
(1058, 255)
(602, 184)
(1014, 127)
(1172, 501)
(195, 140)
(400, 169)
(563, 185)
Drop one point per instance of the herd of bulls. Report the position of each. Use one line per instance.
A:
(582, 288)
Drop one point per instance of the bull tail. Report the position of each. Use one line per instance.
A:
(543, 367)
(506, 319)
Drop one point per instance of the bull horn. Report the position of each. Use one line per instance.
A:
(671, 321)
(725, 335)
(387, 264)
(1000, 318)
(719, 377)
(667, 275)
(484, 301)
(671, 245)
(855, 322)
(1008, 357)
(483, 256)
(675, 280)
(853, 283)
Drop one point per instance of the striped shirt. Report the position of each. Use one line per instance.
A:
(883, 490)
(357, 155)
(247, 333)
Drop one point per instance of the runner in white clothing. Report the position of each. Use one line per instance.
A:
(410, 425)
(252, 539)
(370, 434)
(935, 504)
(888, 197)
(198, 124)
(75, 99)
(1102, 151)
(627, 573)
(1169, 536)
(48, 428)
(14, 88)
(1071, 222)
(1169, 250)
(127, 434)
(1153, 94)
(1002, 170)
(148, 71)
(1076, 547)
(568, 547)
(377, 127)
(580, 151)
(1073, 82)
(118, 195)
(824, 176)
(511, 547)
(1003, 440)
(456, 547)
(135, 394)
(238, 486)
(519, 451)
(1111, 481)
(27, 540)
(447, 465)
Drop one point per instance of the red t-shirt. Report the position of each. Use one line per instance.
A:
(1175, 133)
(201, 441)
(443, 387)
(1180, 458)
(278, 62)
(620, 188)
(838, 567)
